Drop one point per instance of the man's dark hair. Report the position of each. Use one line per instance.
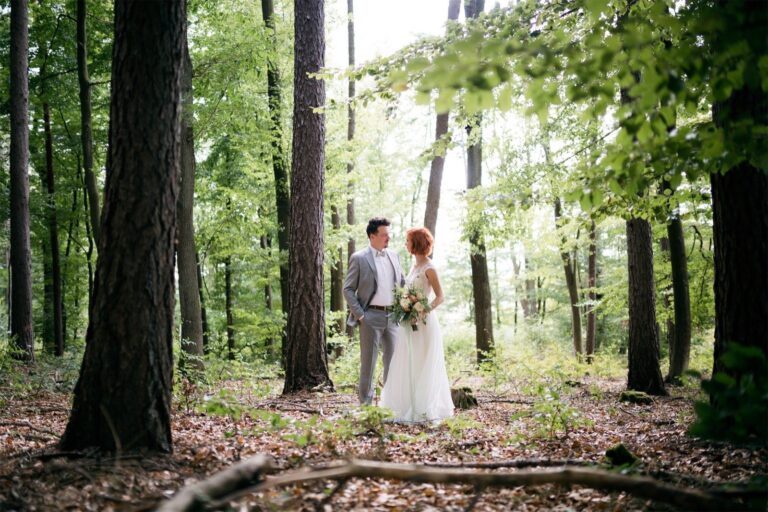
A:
(374, 223)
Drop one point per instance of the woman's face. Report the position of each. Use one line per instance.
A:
(409, 245)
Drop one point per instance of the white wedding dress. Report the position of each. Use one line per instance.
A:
(417, 388)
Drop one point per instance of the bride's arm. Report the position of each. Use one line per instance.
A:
(434, 281)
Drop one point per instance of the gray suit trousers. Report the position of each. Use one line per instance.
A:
(377, 333)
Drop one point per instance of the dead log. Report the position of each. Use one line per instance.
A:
(224, 483)
(643, 487)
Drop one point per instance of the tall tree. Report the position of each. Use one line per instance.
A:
(306, 362)
(350, 124)
(123, 396)
(740, 193)
(481, 288)
(279, 166)
(438, 162)
(680, 342)
(21, 262)
(189, 291)
(228, 308)
(86, 126)
(337, 276)
(591, 293)
(53, 237)
(570, 282)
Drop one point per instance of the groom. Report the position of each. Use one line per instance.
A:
(368, 288)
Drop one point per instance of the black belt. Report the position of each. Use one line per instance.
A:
(380, 308)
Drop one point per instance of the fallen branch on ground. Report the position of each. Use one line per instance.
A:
(28, 425)
(643, 487)
(219, 485)
(517, 463)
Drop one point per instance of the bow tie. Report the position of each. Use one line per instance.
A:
(379, 254)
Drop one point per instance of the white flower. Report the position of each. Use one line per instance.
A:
(418, 307)
(405, 304)
(419, 296)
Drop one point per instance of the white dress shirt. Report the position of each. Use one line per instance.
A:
(385, 279)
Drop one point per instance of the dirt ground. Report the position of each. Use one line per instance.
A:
(212, 432)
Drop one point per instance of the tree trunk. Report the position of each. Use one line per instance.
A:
(438, 162)
(667, 303)
(644, 372)
(228, 307)
(337, 277)
(740, 208)
(21, 259)
(681, 348)
(306, 364)
(592, 294)
(570, 281)
(266, 245)
(189, 291)
(203, 313)
(350, 134)
(122, 399)
(279, 166)
(53, 237)
(481, 289)
(86, 129)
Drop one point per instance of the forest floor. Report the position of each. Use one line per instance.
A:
(213, 429)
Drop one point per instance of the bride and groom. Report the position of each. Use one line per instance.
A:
(416, 386)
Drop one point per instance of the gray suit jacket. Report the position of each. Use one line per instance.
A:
(360, 284)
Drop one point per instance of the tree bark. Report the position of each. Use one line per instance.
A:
(591, 294)
(203, 313)
(279, 165)
(481, 289)
(337, 276)
(189, 292)
(122, 399)
(570, 281)
(86, 128)
(680, 348)
(740, 208)
(438, 162)
(266, 245)
(228, 308)
(306, 364)
(53, 238)
(350, 126)
(21, 258)
(644, 373)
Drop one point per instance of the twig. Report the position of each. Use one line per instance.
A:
(475, 499)
(27, 425)
(506, 401)
(336, 490)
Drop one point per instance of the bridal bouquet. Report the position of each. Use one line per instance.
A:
(410, 306)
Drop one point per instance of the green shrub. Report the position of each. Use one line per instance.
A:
(738, 406)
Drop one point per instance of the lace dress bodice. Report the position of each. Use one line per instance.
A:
(417, 278)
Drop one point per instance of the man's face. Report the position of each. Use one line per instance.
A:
(380, 239)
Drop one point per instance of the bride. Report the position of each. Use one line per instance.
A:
(417, 388)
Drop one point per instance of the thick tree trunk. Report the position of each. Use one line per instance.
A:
(644, 372)
(189, 291)
(337, 277)
(21, 259)
(203, 312)
(306, 364)
(86, 129)
(279, 166)
(740, 206)
(591, 294)
(228, 308)
(122, 399)
(350, 134)
(438, 162)
(570, 282)
(53, 239)
(680, 348)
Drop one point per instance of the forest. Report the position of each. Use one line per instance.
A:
(185, 183)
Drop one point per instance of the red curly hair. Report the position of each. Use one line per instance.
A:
(421, 241)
